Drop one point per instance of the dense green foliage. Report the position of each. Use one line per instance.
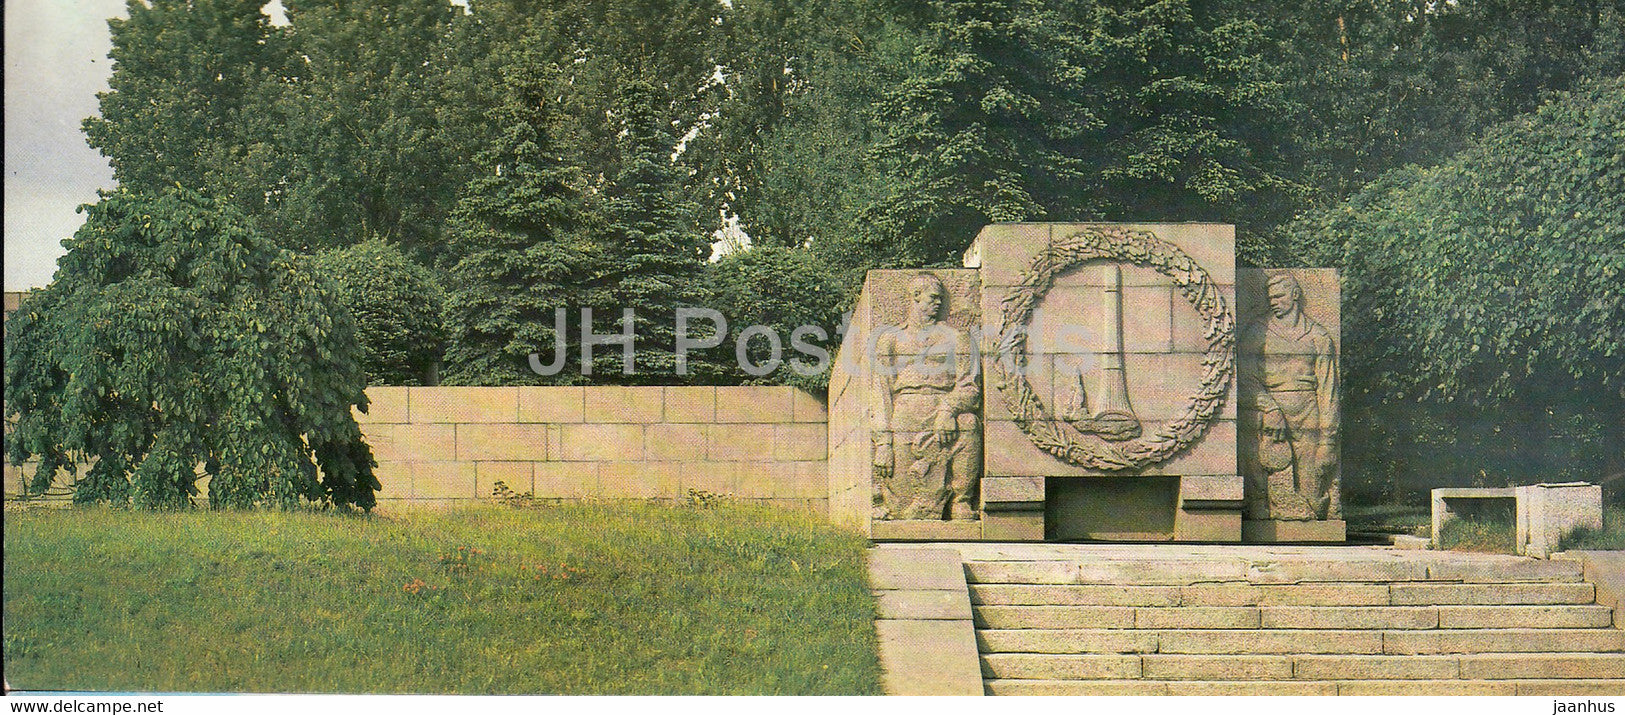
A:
(658, 249)
(525, 258)
(398, 307)
(1487, 289)
(175, 338)
(195, 99)
(366, 151)
(1076, 111)
(1411, 81)
(788, 291)
(566, 600)
(577, 154)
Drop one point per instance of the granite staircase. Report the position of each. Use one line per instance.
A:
(1191, 620)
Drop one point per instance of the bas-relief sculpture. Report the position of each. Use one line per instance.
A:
(928, 441)
(1108, 415)
(1289, 411)
(1107, 436)
(1074, 438)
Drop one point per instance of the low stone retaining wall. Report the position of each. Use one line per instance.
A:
(445, 446)
(438, 446)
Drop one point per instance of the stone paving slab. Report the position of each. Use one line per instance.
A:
(1375, 667)
(1503, 640)
(1236, 642)
(1088, 595)
(1488, 594)
(1498, 666)
(1063, 640)
(927, 639)
(1525, 617)
(1076, 687)
(915, 569)
(1288, 688)
(922, 657)
(1212, 667)
(1192, 564)
(1276, 688)
(1041, 666)
(924, 605)
(1570, 687)
(1054, 617)
(1411, 688)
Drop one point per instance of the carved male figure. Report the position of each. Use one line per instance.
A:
(1296, 396)
(928, 448)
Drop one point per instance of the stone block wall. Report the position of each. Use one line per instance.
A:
(444, 446)
(439, 446)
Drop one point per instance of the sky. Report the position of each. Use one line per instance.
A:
(56, 62)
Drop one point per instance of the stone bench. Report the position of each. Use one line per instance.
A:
(1543, 513)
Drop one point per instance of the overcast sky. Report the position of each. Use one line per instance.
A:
(56, 62)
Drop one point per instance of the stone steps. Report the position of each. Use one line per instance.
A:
(1575, 687)
(1307, 594)
(1197, 571)
(1350, 642)
(1293, 617)
(1099, 620)
(1161, 666)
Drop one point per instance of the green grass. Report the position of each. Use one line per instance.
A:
(1492, 534)
(571, 599)
(1412, 519)
(1611, 537)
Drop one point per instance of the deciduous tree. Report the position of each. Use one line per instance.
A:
(178, 344)
(1482, 307)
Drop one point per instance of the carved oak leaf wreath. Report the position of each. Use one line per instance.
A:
(1139, 248)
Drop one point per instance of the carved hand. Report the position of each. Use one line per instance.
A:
(946, 428)
(883, 460)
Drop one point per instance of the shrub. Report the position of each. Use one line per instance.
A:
(175, 338)
(1482, 309)
(783, 289)
(398, 308)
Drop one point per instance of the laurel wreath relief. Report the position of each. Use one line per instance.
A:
(1140, 248)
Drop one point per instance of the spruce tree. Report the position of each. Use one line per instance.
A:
(963, 133)
(652, 235)
(520, 232)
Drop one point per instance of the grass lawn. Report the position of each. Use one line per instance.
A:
(718, 599)
(1611, 537)
(1498, 534)
(1409, 518)
(1487, 534)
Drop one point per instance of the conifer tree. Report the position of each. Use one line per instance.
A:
(652, 234)
(521, 234)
